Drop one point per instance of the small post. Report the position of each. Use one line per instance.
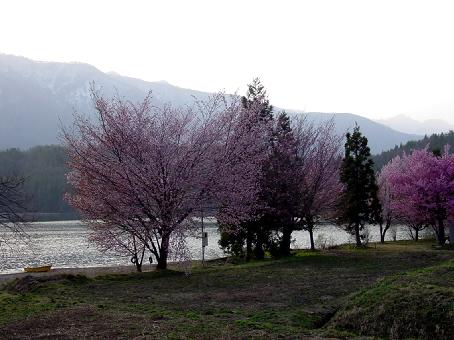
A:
(204, 243)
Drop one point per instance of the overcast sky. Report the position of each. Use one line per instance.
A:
(372, 58)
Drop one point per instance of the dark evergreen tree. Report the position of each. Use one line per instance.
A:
(256, 93)
(256, 233)
(279, 189)
(359, 201)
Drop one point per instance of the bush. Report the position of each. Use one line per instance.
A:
(232, 244)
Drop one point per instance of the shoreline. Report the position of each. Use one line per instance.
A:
(87, 271)
(93, 271)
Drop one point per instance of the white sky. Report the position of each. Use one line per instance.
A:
(372, 58)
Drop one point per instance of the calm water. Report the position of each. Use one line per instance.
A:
(64, 245)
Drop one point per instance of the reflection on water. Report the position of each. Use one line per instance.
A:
(64, 245)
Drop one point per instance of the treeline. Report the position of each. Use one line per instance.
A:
(436, 141)
(44, 169)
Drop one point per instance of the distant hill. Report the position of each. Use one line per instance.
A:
(35, 96)
(380, 137)
(435, 142)
(406, 124)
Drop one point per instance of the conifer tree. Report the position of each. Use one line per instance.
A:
(257, 230)
(256, 93)
(359, 201)
(254, 234)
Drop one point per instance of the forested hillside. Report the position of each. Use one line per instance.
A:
(436, 141)
(44, 168)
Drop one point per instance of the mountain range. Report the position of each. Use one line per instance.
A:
(406, 124)
(35, 97)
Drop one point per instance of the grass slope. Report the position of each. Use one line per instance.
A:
(291, 298)
(418, 304)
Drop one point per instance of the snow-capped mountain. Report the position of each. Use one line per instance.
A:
(36, 96)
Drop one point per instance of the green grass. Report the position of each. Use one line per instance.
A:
(418, 304)
(311, 295)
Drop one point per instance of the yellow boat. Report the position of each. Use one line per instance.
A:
(38, 269)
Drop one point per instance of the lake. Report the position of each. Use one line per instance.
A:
(64, 245)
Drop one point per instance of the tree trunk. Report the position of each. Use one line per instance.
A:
(357, 236)
(451, 231)
(440, 232)
(163, 252)
(385, 229)
(310, 229)
(248, 244)
(286, 240)
(382, 234)
(137, 262)
(162, 260)
(259, 253)
(136, 259)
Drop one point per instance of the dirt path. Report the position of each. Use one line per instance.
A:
(88, 271)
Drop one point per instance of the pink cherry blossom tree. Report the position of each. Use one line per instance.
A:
(423, 187)
(385, 196)
(305, 182)
(146, 173)
(322, 185)
(405, 212)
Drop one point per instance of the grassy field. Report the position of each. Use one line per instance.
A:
(396, 290)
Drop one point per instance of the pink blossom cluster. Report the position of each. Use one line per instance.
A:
(421, 188)
(141, 173)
